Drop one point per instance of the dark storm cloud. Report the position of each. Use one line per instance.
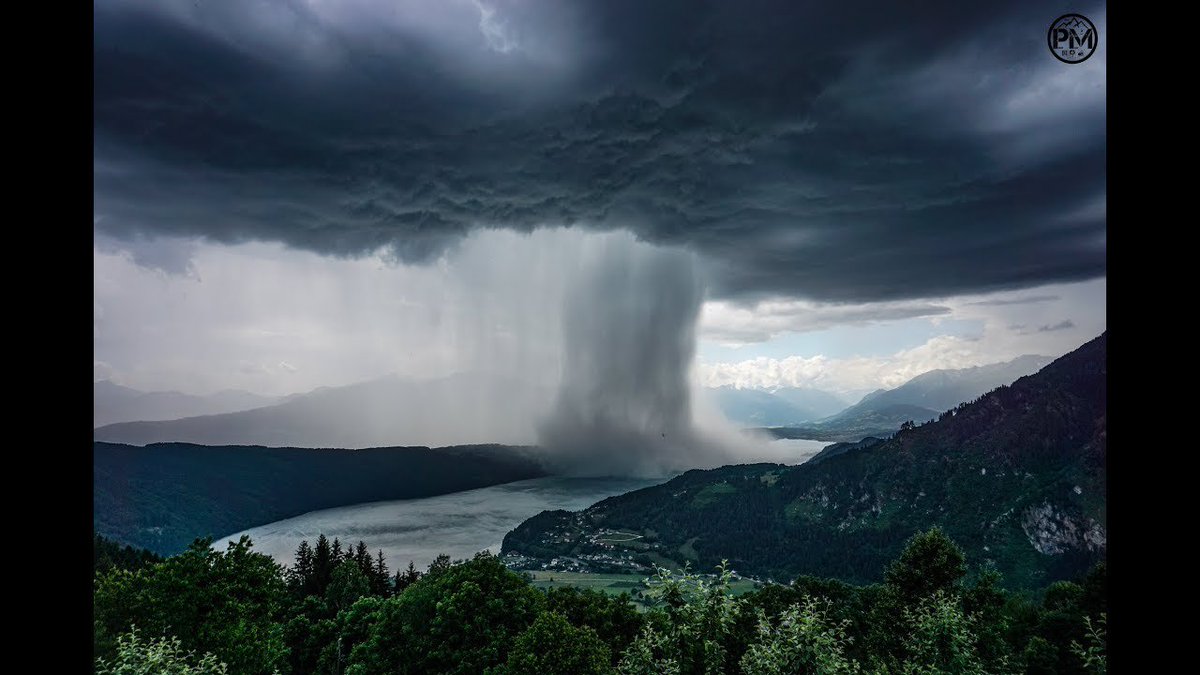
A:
(840, 151)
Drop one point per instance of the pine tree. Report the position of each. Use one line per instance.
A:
(380, 577)
(406, 578)
(323, 564)
(363, 557)
(337, 551)
(300, 577)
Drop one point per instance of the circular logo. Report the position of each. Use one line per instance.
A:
(1072, 38)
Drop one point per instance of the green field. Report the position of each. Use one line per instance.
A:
(618, 537)
(611, 584)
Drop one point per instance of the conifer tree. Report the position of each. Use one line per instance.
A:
(363, 557)
(323, 564)
(379, 576)
(406, 578)
(300, 577)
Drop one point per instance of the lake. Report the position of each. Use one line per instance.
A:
(458, 524)
(799, 450)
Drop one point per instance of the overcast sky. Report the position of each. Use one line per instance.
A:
(299, 193)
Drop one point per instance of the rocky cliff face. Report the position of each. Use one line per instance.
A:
(1053, 531)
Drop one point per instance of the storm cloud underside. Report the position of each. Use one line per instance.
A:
(846, 152)
(836, 153)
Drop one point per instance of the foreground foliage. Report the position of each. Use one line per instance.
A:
(338, 610)
(161, 656)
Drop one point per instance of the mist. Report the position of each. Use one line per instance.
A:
(581, 342)
(629, 338)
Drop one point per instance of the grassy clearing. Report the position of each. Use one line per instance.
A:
(612, 584)
(548, 578)
(712, 493)
(618, 537)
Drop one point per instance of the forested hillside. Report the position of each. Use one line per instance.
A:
(162, 496)
(1017, 477)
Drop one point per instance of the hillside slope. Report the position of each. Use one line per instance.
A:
(1017, 478)
(163, 496)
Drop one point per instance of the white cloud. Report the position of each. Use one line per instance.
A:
(101, 371)
(1048, 321)
(498, 36)
(845, 375)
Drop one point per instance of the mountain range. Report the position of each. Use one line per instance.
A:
(113, 403)
(463, 409)
(780, 407)
(453, 410)
(922, 398)
(1016, 477)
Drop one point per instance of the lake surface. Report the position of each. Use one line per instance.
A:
(459, 524)
(462, 523)
(799, 450)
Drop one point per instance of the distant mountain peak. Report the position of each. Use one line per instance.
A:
(114, 403)
(922, 398)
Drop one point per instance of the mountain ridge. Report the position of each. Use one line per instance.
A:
(782, 406)
(386, 411)
(114, 403)
(1017, 477)
(162, 496)
(922, 398)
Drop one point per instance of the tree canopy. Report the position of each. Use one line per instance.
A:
(337, 610)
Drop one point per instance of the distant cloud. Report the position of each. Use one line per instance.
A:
(101, 371)
(1061, 325)
(1000, 302)
(250, 368)
(848, 374)
(1024, 329)
(495, 304)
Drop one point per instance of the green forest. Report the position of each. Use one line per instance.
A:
(161, 496)
(338, 609)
